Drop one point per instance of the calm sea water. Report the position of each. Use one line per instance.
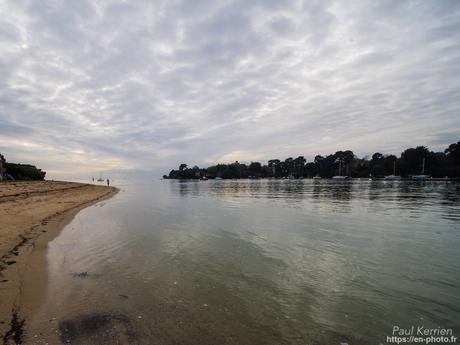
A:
(255, 262)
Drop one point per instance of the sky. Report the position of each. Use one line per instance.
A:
(93, 85)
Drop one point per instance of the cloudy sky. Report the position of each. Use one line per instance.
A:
(95, 85)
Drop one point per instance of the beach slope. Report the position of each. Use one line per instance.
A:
(33, 212)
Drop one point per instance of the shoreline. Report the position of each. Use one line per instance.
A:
(34, 213)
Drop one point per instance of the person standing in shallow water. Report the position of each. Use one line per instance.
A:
(108, 182)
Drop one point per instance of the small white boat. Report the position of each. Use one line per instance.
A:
(317, 177)
(422, 176)
(339, 176)
(100, 179)
(393, 176)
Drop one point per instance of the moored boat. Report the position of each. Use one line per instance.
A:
(340, 176)
(422, 176)
(393, 176)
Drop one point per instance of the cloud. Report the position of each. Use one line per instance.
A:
(151, 84)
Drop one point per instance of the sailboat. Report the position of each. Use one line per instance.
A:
(317, 177)
(100, 179)
(393, 176)
(422, 176)
(339, 176)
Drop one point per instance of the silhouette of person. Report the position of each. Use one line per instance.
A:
(108, 182)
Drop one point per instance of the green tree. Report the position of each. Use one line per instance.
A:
(453, 152)
(412, 158)
(255, 169)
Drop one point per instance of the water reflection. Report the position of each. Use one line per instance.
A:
(413, 196)
(258, 262)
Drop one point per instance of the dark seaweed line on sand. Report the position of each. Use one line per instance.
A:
(16, 330)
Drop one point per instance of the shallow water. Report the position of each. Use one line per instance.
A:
(255, 262)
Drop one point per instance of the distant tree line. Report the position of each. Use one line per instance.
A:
(436, 164)
(16, 171)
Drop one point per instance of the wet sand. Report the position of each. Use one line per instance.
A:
(31, 214)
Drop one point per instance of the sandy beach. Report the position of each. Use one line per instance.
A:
(31, 214)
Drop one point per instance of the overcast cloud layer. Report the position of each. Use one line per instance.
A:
(89, 85)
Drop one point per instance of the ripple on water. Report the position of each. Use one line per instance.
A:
(264, 261)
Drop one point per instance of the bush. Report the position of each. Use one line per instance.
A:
(25, 171)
